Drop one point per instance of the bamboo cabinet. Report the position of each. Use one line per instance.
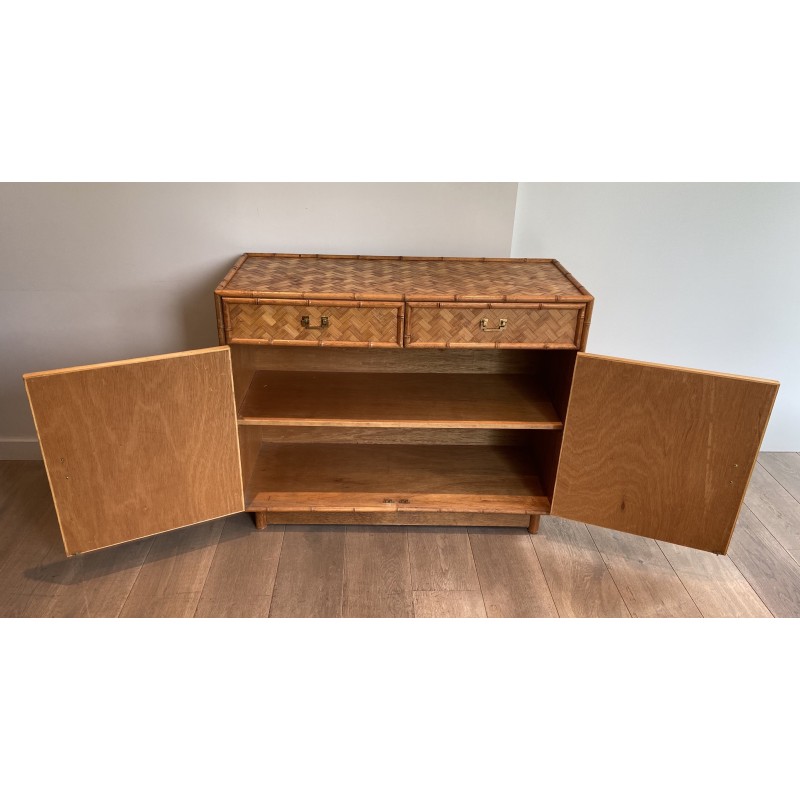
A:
(398, 391)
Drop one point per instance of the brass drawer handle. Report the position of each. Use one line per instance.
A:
(306, 323)
(500, 327)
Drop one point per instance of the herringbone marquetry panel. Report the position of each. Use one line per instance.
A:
(429, 325)
(275, 322)
(431, 279)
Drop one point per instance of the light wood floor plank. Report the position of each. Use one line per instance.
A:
(25, 503)
(714, 583)
(646, 580)
(441, 560)
(188, 571)
(785, 468)
(768, 568)
(10, 476)
(30, 539)
(511, 577)
(377, 573)
(14, 473)
(777, 510)
(310, 577)
(578, 578)
(449, 604)
(171, 579)
(21, 575)
(18, 479)
(95, 584)
(241, 578)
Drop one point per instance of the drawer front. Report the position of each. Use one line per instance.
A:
(533, 325)
(300, 322)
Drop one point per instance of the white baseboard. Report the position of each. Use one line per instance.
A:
(20, 450)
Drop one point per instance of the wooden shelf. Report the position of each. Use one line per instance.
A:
(386, 478)
(397, 400)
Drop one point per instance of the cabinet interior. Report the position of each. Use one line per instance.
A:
(417, 431)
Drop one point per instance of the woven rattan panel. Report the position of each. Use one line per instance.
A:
(395, 278)
(377, 325)
(429, 325)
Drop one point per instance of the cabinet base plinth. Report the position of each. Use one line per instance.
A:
(403, 518)
(533, 525)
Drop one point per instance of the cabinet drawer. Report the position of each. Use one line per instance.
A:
(337, 323)
(545, 325)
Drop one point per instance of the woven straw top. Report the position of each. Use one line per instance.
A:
(401, 278)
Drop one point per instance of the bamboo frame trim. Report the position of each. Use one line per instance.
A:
(310, 302)
(227, 327)
(400, 258)
(579, 342)
(409, 297)
(232, 271)
(223, 295)
(537, 306)
(307, 343)
(581, 296)
(492, 345)
(585, 323)
(571, 278)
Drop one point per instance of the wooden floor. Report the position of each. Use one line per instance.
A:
(227, 568)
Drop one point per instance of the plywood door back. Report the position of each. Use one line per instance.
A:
(138, 447)
(660, 451)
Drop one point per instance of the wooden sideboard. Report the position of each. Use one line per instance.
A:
(406, 391)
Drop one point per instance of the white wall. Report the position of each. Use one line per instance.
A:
(98, 272)
(698, 275)
(701, 275)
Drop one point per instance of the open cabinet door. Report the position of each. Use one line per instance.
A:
(660, 451)
(138, 447)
